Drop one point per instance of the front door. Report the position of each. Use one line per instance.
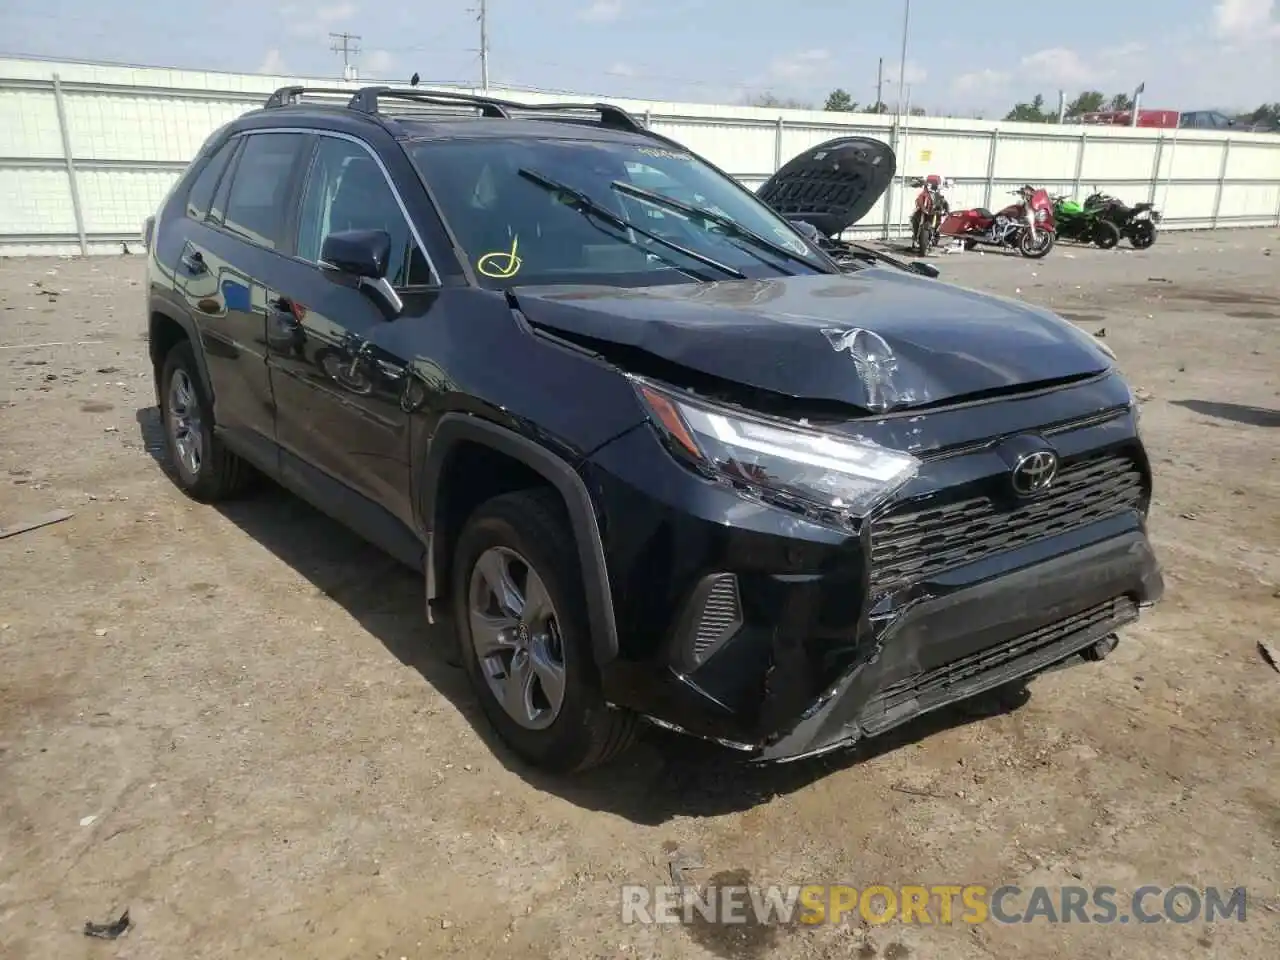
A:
(341, 365)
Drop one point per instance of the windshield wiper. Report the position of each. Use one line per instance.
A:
(729, 225)
(591, 208)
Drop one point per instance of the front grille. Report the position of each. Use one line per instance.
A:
(1036, 650)
(917, 541)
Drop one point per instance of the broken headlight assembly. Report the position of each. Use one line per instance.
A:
(781, 462)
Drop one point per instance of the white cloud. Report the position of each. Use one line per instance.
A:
(621, 69)
(981, 83)
(1060, 67)
(797, 65)
(302, 21)
(378, 63)
(273, 63)
(1242, 21)
(601, 11)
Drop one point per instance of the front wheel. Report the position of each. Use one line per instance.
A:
(1034, 248)
(1106, 234)
(924, 236)
(1143, 234)
(521, 615)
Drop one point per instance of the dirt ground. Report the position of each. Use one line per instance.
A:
(230, 720)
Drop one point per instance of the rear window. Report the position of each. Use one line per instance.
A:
(200, 198)
(256, 205)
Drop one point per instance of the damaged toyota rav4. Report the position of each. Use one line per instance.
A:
(662, 451)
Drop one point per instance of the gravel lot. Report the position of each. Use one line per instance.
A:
(231, 721)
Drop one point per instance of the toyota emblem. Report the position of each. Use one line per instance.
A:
(1034, 473)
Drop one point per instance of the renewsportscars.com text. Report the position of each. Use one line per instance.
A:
(937, 904)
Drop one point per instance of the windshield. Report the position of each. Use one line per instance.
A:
(515, 227)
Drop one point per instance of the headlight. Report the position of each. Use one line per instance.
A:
(776, 460)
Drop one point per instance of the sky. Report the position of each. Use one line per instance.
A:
(964, 57)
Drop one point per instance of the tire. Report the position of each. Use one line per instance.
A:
(526, 533)
(1142, 235)
(970, 244)
(1032, 252)
(1105, 234)
(923, 237)
(205, 469)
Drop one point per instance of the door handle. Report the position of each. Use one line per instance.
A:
(193, 260)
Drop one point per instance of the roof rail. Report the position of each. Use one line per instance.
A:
(287, 96)
(366, 100)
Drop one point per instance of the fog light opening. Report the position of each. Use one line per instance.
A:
(1102, 649)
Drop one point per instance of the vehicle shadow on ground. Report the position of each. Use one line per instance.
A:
(665, 776)
(1236, 412)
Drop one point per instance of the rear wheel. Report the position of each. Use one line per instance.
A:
(1106, 234)
(1035, 247)
(205, 469)
(1143, 235)
(521, 617)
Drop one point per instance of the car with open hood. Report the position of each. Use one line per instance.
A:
(663, 449)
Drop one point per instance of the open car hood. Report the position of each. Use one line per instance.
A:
(877, 340)
(832, 185)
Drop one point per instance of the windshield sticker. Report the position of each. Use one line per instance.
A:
(501, 264)
(663, 154)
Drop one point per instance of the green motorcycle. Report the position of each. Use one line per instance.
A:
(1083, 224)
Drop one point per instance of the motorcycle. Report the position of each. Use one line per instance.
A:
(1137, 224)
(1028, 225)
(1083, 223)
(931, 209)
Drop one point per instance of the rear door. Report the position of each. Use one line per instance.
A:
(224, 269)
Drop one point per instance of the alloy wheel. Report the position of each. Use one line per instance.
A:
(185, 427)
(516, 637)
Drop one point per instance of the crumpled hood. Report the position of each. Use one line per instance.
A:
(878, 339)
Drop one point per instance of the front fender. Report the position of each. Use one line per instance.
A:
(455, 428)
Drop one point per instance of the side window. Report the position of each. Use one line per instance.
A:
(200, 197)
(219, 204)
(346, 190)
(256, 205)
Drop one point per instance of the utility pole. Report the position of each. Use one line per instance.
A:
(347, 44)
(902, 65)
(484, 46)
(1062, 106)
(880, 84)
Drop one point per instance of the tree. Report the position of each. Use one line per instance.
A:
(1032, 112)
(1090, 101)
(768, 99)
(880, 107)
(919, 112)
(1121, 101)
(839, 101)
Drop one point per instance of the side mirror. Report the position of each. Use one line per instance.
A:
(361, 253)
(925, 269)
(365, 255)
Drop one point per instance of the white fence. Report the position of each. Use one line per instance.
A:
(87, 151)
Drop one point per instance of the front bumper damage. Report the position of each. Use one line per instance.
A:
(783, 638)
(948, 648)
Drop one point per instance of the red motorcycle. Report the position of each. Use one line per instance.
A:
(931, 209)
(1027, 225)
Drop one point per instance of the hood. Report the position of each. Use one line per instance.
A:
(832, 185)
(876, 340)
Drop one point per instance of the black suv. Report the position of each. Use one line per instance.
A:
(661, 449)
